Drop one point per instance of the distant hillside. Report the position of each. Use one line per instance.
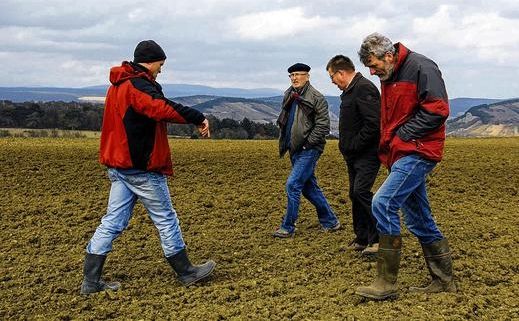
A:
(458, 106)
(95, 93)
(193, 100)
(240, 108)
(176, 90)
(23, 94)
(262, 105)
(498, 119)
(334, 102)
(259, 110)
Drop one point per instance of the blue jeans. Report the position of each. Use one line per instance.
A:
(302, 181)
(152, 190)
(405, 189)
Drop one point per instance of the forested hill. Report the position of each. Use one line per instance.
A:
(241, 117)
(88, 116)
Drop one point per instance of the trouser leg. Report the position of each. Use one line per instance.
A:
(303, 167)
(363, 173)
(120, 207)
(314, 194)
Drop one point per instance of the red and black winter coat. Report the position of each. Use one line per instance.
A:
(134, 131)
(414, 108)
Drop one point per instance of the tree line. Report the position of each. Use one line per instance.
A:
(89, 116)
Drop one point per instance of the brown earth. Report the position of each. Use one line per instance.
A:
(230, 197)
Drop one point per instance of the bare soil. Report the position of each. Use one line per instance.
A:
(230, 197)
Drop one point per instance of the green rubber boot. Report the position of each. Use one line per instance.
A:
(388, 263)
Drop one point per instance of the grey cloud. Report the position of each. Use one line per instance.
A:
(83, 40)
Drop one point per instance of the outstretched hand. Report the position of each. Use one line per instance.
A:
(203, 128)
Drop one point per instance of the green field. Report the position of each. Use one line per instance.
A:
(230, 197)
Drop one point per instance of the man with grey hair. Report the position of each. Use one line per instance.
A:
(414, 108)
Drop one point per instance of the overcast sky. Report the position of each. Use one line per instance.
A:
(249, 44)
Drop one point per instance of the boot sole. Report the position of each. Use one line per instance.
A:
(390, 296)
(200, 278)
(116, 286)
(423, 290)
(369, 255)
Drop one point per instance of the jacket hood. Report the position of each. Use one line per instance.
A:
(128, 70)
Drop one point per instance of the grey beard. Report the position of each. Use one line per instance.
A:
(388, 74)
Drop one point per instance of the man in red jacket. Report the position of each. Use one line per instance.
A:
(134, 147)
(414, 108)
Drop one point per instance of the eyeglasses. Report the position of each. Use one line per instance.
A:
(298, 74)
(333, 75)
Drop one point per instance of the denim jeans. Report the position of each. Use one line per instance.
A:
(152, 190)
(405, 189)
(302, 181)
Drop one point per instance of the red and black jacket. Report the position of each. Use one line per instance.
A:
(134, 131)
(414, 108)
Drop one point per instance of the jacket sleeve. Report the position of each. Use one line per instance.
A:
(433, 106)
(148, 100)
(368, 103)
(322, 123)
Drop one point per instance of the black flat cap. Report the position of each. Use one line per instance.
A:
(148, 51)
(298, 67)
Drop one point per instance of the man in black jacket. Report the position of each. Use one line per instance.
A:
(359, 124)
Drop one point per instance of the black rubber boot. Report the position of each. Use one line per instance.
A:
(92, 271)
(187, 273)
(439, 262)
(388, 263)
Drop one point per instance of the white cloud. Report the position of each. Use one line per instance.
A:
(487, 35)
(277, 24)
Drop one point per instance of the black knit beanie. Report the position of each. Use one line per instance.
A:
(148, 51)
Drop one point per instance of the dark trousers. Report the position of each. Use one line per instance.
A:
(362, 172)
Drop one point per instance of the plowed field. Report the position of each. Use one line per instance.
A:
(230, 197)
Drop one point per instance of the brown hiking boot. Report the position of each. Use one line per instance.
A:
(282, 233)
(388, 263)
(356, 246)
(334, 228)
(439, 262)
(370, 250)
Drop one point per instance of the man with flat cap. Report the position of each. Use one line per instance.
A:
(304, 123)
(135, 149)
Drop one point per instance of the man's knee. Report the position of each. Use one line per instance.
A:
(112, 228)
(293, 186)
(360, 194)
(377, 202)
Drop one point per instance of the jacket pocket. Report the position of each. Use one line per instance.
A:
(399, 148)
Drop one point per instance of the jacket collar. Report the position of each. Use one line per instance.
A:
(302, 93)
(352, 83)
(402, 53)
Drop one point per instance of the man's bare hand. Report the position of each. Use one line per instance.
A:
(204, 129)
